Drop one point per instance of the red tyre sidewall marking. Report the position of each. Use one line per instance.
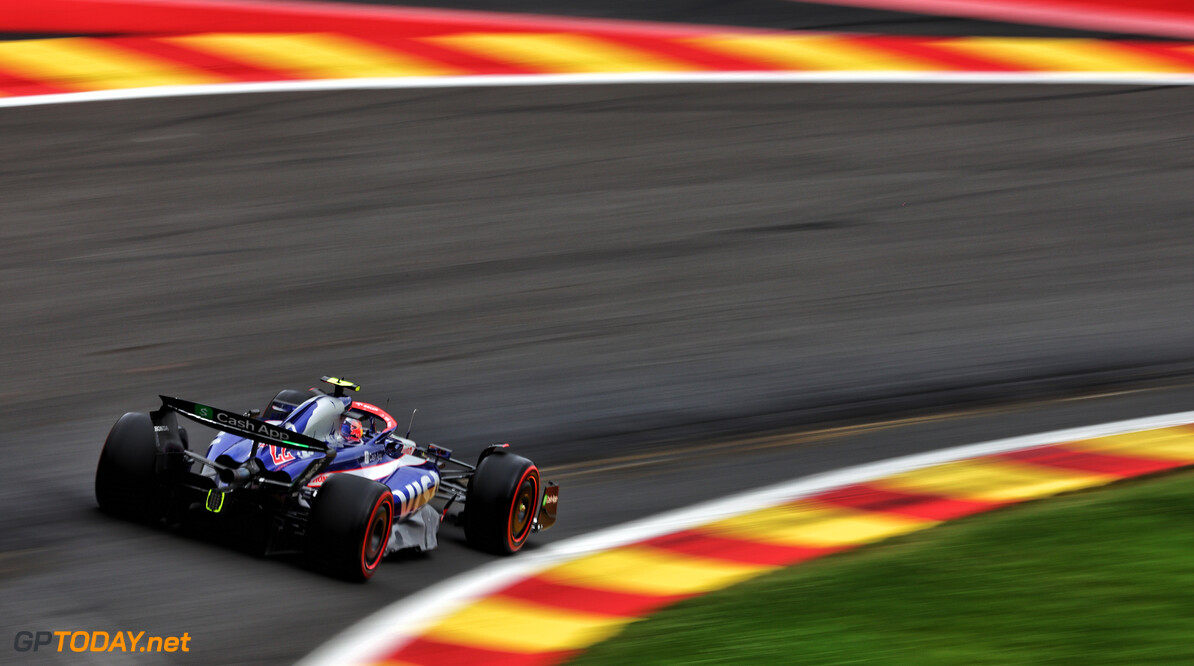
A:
(366, 567)
(526, 530)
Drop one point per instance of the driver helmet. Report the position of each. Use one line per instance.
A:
(352, 431)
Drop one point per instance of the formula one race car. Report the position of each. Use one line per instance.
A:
(321, 475)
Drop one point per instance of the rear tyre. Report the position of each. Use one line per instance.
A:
(500, 505)
(125, 478)
(349, 527)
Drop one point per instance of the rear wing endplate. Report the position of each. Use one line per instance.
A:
(243, 426)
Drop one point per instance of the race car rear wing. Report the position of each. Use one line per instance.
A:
(165, 427)
(243, 426)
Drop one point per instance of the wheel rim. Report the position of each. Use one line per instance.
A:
(523, 508)
(376, 536)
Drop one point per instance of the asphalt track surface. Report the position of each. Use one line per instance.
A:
(609, 277)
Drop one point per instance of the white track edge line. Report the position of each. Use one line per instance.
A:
(1089, 78)
(402, 621)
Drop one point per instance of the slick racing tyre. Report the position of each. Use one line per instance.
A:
(500, 505)
(349, 527)
(125, 478)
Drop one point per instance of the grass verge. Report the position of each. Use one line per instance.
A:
(1099, 577)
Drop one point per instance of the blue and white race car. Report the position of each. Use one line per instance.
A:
(323, 475)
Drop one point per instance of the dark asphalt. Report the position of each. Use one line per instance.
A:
(585, 272)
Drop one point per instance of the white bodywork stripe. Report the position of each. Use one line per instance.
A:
(375, 472)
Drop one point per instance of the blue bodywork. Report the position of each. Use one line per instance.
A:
(381, 455)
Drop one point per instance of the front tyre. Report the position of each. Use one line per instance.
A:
(500, 506)
(349, 527)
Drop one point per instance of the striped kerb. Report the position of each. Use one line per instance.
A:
(548, 617)
(40, 66)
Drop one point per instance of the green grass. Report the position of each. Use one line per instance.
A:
(1100, 577)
